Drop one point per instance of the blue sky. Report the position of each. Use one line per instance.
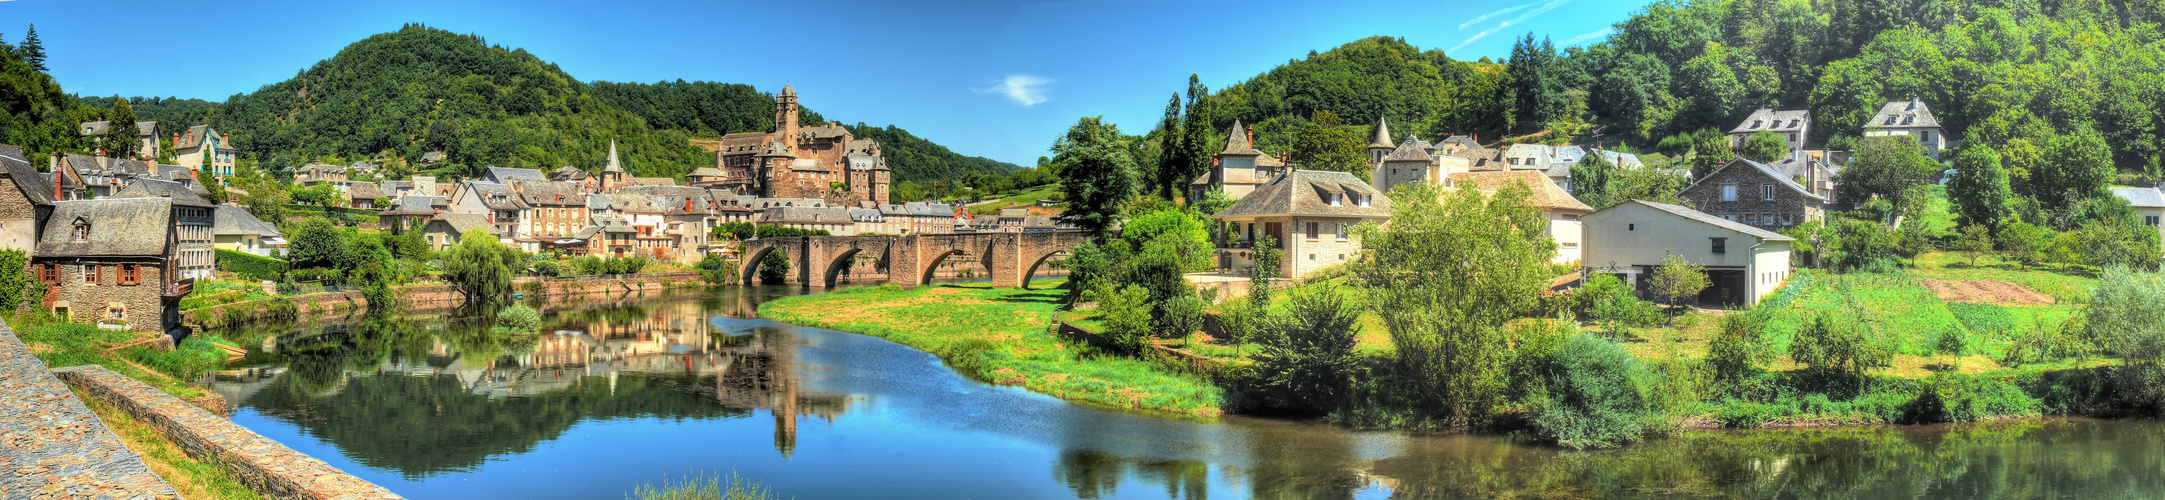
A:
(998, 79)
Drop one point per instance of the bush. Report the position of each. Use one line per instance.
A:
(1592, 395)
(1843, 346)
(518, 318)
(1991, 321)
(251, 266)
(1306, 365)
(2127, 311)
(546, 268)
(187, 361)
(1183, 316)
(1741, 349)
(774, 268)
(1954, 397)
(1608, 301)
(1127, 317)
(316, 274)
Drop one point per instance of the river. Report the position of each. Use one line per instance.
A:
(628, 390)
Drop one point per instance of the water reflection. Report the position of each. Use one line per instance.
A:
(619, 390)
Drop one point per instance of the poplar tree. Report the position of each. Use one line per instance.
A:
(1172, 157)
(1979, 190)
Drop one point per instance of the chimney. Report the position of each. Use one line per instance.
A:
(1251, 138)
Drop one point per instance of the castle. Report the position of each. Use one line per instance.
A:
(825, 162)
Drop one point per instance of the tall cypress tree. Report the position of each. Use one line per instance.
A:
(1172, 158)
(33, 51)
(1195, 130)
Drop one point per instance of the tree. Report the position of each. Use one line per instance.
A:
(1195, 133)
(1764, 147)
(120, 132)
(1593, 180)
(1097, 175)
(266, 203)
(2021, 238)
(1267, 259)
(1846, 347)
(1676, 280)
(1305, 366)
(482, 266)
(14, 277)
(1976, 240)
(1709, 151)
(1172, 151)
(1979, 190)
(316, 243)
(1884, 167)
(32, 50)
(1174, 221)
(2077, 166)
(1325, 144)
(1462, 264)
(1534, 75)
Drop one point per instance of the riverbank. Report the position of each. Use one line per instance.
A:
(425, 298)
(1002, 336)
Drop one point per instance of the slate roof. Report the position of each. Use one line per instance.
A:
(1462, 141)
(567, 173)
(393, 186)
(412, 205)
(118, 227)
(1546, 193)
(432, 157)
(823, 132)
(743, 142)
(649, 181)
(860, 147)
(1768, 171)
(194, 136)
(1299, 193)
(129, 167)
(635, 203)
(99, 127)
(232, 219)
(1717, 221)
(363, 191)
(502, 174)
(1383, 134)
(612, 165)
(805, 165)
(1621, 160)
(538, 193)
(2140, 197)
(866, 215)
(1412, 149)
(1014, 213)
(156, 188)
(34, 187)
(1903, 114)
(460, 223)
(815, 215)
(1236, 142)
(704, 172)
(495, 196)
(1769, 120)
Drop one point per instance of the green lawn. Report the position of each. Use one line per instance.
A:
(1021, 199)
(1001, 335)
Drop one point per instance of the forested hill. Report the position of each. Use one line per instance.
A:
(708, 109)
(1419, 91)
(420, 89)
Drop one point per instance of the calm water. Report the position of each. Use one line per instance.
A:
(627, 391)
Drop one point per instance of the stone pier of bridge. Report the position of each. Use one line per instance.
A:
(1010, 258)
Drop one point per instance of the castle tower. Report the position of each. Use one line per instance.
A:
(785, 115)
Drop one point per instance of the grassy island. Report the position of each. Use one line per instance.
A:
(1000, 335)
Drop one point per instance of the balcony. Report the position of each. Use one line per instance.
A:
(180, 288)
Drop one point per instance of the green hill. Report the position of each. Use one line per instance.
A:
(1418, 91)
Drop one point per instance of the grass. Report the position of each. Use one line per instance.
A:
(1002, 335)
(192, 478)
(216, 293)
(71, 344)
(1025, 198)
(701, 487)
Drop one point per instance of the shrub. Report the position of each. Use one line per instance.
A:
(2128, 312)
(1127, 317)
(545, 268)
(1591, 395)
(186, 362)
(1741, 349)
(1306, 365)
(774, 268)
(2045, 342)
(1954, 397)
(1183, 315)
(1991, 321)
(1841, 346)
(14, 277)
(1608, 301)
(519, 318)
(316, 274)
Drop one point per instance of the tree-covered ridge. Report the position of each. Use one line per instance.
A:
(34, 112)
(1423, 92)
(915, 159)
(173, 114)
(701, 108)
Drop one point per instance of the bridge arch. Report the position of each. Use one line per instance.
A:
(1031, 271)
(833, 273)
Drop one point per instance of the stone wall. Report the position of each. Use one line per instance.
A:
(421, 297)
(264, 465)
(51, 446)
(89, 303)
(1751, 204)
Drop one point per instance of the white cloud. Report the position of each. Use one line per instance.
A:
(1492, 15)
(1589, 36)
(1543, 9)
(1025, 90)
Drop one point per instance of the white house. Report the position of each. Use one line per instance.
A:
(1743, 263)
(2147, 202)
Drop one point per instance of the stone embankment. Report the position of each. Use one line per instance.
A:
(51, 446)
(423, 298)
(264, 465)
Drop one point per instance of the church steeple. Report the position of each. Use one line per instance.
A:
(1381, 145)
(612, 172)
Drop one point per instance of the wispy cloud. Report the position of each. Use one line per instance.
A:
(1025, 90)
(1589, 36)
(1492, 15)
(1542, 9)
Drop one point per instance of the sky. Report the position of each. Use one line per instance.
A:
(998, 79)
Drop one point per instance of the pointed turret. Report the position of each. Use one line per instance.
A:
(1383, 136)
(1238, 142)
(613, 165)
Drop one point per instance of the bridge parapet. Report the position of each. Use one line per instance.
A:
(910, 260)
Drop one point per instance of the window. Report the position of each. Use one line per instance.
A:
(1571, 244)
(1338, 199)
(82, 230)
(1766, 192)
(90, 274)
(1312, 231)
(49, 274)
(1721, 245)
(1631, 227)
(130, 274)
(1341, 232)
(1785, 219)
(1751, 218)
(116, 313)
(2150, 219)
(1890, 120)
(1767, 218)
(1728, 192)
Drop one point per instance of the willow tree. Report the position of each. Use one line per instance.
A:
(483, 266)
(1452, 267)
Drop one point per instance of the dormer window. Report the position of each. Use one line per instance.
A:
(82, 230)
(1756, 123)
(1908, 119)
(1338, 199)
(1890, 119)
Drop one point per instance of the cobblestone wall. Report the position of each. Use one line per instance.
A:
(51, 446)
(264, 465)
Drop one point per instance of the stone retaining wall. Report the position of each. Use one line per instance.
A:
(421, 298)
(264, 465)
(51, 446)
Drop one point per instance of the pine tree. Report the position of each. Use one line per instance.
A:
(32, 50)
(120, 139)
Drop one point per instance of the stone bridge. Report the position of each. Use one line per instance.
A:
(910, 260)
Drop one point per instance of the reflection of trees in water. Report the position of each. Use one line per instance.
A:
(421, 425)
(2001, 460)
(1097, 474)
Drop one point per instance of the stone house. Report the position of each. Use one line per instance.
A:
(363, 195)
(193, 247)
(1239, 167)
(1553, 161)
(26, 200)
(2147, 202)
(146, 132)
(1755, 194)
(1809, 170)
(506, 213)
(431, 158)
(1743, 263)
(502, 175)
(317, 173)
(1407, 164)
(837, 221)
(794, 161)
(558, 208)
(1910, 118)
(444, 230)
(240, 231)
(204, 150)
(409, 212)
(1309, 212)
(1563, 211)
(105, 261)
(1793, 126)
